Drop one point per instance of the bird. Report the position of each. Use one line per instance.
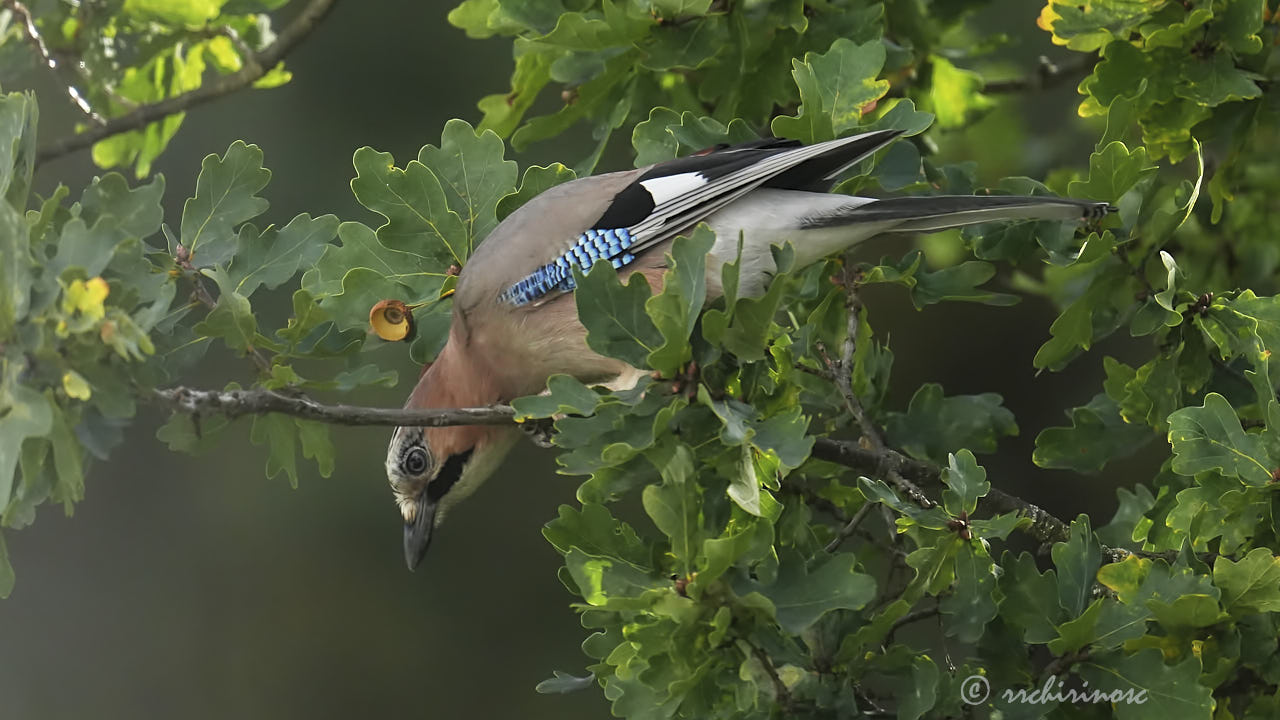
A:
(515, 323)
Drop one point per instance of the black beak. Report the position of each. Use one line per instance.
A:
(417, 534)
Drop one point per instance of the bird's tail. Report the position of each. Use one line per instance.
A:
(942, 212)
(820, 224)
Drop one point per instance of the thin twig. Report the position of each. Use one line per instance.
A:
(37, 42)
(235, 403)
(1044, 527)
(1046, 75)
(842, 375)
(911, 617)
(201, 293)
(849, 527)
(255, 66)
(779, 687)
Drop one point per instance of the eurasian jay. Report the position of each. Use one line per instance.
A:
(515, 322)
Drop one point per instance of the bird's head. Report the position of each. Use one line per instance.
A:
(433, 469)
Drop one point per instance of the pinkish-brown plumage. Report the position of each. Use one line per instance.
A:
(515, 324)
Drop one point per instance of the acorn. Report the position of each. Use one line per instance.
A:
(391, 320)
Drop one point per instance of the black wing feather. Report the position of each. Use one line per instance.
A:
(727, 174)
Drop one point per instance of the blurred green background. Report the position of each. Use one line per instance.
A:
(195, 588)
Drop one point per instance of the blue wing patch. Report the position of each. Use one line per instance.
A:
(592, 246)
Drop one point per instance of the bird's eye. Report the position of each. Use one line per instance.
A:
(415, 462)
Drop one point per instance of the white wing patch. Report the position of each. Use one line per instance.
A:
(670, 187)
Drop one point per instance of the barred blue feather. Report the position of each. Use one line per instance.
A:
(592, 246)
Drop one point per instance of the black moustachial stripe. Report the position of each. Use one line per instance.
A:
(448, 475)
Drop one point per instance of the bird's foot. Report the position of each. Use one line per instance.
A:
(540, 431)
(686, 381)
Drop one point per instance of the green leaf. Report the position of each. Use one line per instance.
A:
(271, 258)
(1097, 434)
(419, 218)
(1154, 392)
(846, 76)
(954, 94)
(934, 426)
(744, 486)
(672, 9)
(673, 505)
(743, 330)
(1030, 599)
(600, 579)
(68, 463)
(899, 114)
(16, 270)
(279, 434)
(595, 532)
(1077, 561)
(537, 179)
(666, 133)
(232, 319)
(1086, 318)
(684, 291)
(800, 596)
(1210, 438)
(971, 604)
(6, 571)
(966, 482)
(349, 279)
(1250, 585)
(1075, 634)
(226, 195)
(958, 282)
(565, 395)
(136, 212)
(1216, 80)
(1132, 507)
(1165, 691)
(1087, 26)
(317, 444)
(474, 175)
(504, 111)
(835, 88)
(1240, 23)
(614, 314)
(1113, 170)
(578, 31)
(561, 683)
(190, 13)
(918, 694)
(597, 97)
(181, 433)
(1216, 507)
(18, 119)
(784, 435)
(24, 413)
(1189, 612)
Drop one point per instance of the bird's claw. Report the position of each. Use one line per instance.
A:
(686, 381)
(539, 431)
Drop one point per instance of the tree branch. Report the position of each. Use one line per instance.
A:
(255, 66)
(231, 404)
(841, 373)
(1047, 75)
(849, 528)
(1044, 527)
(29, 29)
(235, 403)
